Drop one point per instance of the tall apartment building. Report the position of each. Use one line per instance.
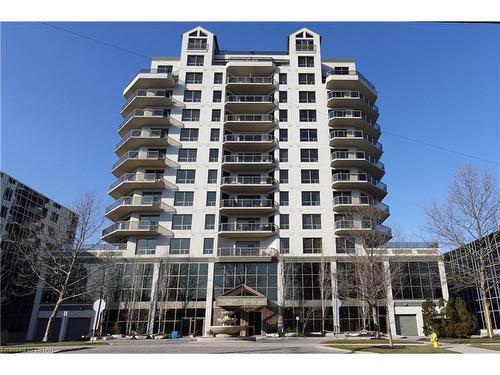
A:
(22, 205)
(237, 171)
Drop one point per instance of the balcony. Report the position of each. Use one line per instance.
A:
(150, 78)
(247, 206)
(355, 138)
(250, 84)
(129, 182)
(349, 227)
(147, 98)
(353, 118)
(123, 229)
(357, 159)
(138, 138)
(361, 181)
(248, 162)
(346, 203)
(352, 99)
(305, 47)
(231, 254)
(260, 230)
(245, 66)
(263, 122)
(198, 46)
(132, 160)
(345, 79)
(249, 142)
(125, 206)
(153, 117)
(248, 183)
(250, 103)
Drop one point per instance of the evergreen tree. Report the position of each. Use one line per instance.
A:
(429, 314)
(458, 321)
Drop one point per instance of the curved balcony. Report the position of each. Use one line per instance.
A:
(248, 183)
(355, 138)
(129, 182)
(349, 227)
(152, 117)
(247, 206)
(353, 118)
(262, 122)
(150, 78)
(352, 99)
(137, 138)
(132, 160)
(147, 98)
(123, 229)
(251, 66)
(250, 84)
(346, 203)
(357, 159)
(125, 206)
(344, 79)
(249, 253)
(249, 142)
(247, 229)
(248, 162)
(250, 103)
(361, 181)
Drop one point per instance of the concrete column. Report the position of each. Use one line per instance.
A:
(209, 301)
(34, 311)
(281, 293)
(152, 303)
(444, 282)
(64, 325)
(333, 275)
(390, 298)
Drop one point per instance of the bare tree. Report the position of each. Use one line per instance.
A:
(61, 261)
(325, 287)
(285, 276)
(466, 221)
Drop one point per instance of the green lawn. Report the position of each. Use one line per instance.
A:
(471, 340)
(368, 341)
(399, 349)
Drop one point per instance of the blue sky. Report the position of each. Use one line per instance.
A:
(437, 83)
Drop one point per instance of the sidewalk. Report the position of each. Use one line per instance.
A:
(466, 349)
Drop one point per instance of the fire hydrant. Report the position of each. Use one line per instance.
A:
(434, 340)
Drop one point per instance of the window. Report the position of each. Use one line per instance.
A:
(197, 44)
(180, 245)
(211, 198)
(284, 155)
(217, 96)
(54, 217)
(212, 176)
(145, 246)
(312, 245)
(311, 221)
(344, 244)
(308, 135)
(282, 79)
(306, 78)
(283, 176)
(218, 78)
(309, 155)
(195, 60)
(214, 135)
(194, 78)
(185, 176)
(183, 198)
(164, 68)
(283, 96)
(210, 221)
(307, 97)
(190, 115)
(192, 96)
(7, 195)
(215, 115)
(307, 115)
(213, 155)
(189, 134)
(208, 246)
(417, 280)
(284, 221)
(310, 198)
(306, 61)
(283, 134)
(3, 212)
(284, 245)
(181, 221)
(284, 198)
(187, 154)
(283, 115)
(309, 176)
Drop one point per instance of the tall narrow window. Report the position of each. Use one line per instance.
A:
(212, 176)
(208, 246)
(211, 198)
(210, 221)
(195, 60)
(284, 198)
(214, 135)
(218, 78)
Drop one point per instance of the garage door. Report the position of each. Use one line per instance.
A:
(77, 327)
(406, 325)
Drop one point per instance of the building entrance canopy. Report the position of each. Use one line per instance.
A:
(242, 297)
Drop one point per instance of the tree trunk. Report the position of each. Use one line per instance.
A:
(484, 298)
(376, 325)
(388, 323)
(51, 320)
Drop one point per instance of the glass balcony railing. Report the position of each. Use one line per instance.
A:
(344, 72)
(250, 118)
(143, 155)
(153, 113)
(163, 70)
(137, 133)
(134, 226)
(197, 46)
(248, 180)
(135, 201)
(149, 93)
(356, 155)
(248, 227)
(355, 134)
(137, 177)
(249, 138)
(250, 80)
(246, 252)
(248, 203)
(249, 99)
(248, 159)
(348, 94)
(358, 177)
